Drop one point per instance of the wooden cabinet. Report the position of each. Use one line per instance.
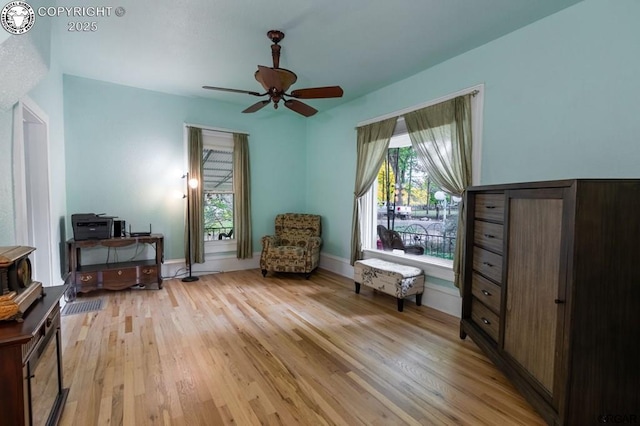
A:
(31, 389)
(116, 275)
(551, 292)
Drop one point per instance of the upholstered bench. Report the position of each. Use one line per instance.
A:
(390, 278)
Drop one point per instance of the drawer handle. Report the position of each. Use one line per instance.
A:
(490, 207)
(486, 321)
(86, 278)
(487, 264)
(119, 272)
(558, 302)
(486, 293)
(147, 271)
(489, 236)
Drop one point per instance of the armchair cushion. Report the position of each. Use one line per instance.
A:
(295, 247)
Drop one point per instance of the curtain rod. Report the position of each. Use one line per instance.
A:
(215, 129)
(473, 91)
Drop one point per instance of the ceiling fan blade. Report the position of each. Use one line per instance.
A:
(300, 108)
(318, 92)
(223, 89)
(257, 106)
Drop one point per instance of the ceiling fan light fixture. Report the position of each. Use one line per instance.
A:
(280, 78)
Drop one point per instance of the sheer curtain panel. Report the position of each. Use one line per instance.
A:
(441, 136)
(372, 145)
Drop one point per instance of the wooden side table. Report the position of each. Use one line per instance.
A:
(117, 275)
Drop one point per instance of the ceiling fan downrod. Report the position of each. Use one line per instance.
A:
(275, 36)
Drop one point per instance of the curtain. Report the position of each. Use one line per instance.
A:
(372, 145)
(441, 136)
(242, 199)
(195, 197)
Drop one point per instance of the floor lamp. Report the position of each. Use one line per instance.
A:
(191, 184)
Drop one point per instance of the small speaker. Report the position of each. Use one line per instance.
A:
(119, 228)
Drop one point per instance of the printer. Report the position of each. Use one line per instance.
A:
(91, 226)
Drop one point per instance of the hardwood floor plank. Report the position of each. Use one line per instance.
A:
(239, 349)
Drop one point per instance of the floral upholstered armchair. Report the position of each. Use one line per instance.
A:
(296, 245)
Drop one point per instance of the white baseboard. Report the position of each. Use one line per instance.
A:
(213, 263)
(337, 265)
(442, 298)
(435, 296)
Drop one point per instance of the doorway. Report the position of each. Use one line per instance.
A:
(32, 186)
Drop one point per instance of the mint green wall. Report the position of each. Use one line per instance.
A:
(34, 50)
(125, 155)
(561, 101)
(7, 231)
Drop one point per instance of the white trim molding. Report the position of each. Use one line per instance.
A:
(215, 129)
(32, 186)
(443, 299)
(213, 263)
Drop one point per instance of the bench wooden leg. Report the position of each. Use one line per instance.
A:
(357, 288)
(400, 304)
(419, 299)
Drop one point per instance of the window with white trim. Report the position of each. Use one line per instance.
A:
(217, 176)
(405, 200)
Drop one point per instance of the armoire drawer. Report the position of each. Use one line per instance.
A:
(488, 264)
(486, 292)
(488, 235)
(486, 320)
(490, 207)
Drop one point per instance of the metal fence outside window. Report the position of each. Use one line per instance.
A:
(435, 244)
(217, 233)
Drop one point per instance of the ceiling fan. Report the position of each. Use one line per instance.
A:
(276, 81)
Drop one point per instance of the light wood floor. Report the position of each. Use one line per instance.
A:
(237, 348)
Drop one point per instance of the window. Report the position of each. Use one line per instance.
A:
(217, 171)
(408, 202)
(404, 199)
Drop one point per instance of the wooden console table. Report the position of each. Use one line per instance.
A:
(32, 391)
(117, 275)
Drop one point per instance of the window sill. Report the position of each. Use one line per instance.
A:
(432, 266)
(220, 246)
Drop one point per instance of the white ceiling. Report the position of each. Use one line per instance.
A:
(177, 46)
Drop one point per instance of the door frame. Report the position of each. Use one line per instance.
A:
(33, 225)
